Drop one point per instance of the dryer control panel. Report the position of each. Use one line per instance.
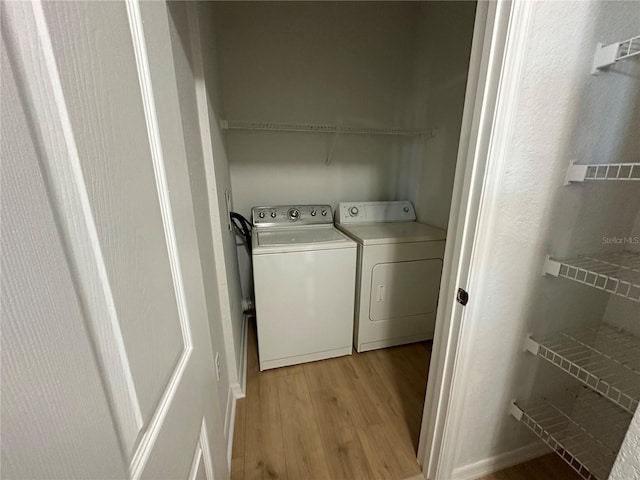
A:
(289, 215)
(366, 212)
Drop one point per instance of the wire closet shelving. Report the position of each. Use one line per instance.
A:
(584, 428)
(606, 359)
(607, 55)
(621, 172)
(617, 273)
(320, 128)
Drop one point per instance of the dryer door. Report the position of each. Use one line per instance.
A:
(404, 289)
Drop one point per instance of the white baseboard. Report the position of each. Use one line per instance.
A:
(243, 356)
(236, 392)
(498, 462)
(229, 422)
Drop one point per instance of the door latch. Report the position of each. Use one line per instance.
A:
(462, 297)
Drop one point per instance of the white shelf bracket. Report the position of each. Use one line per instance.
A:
(575, 173)
(531, 346)
(551, 267)
(607, 55)
(332, 148)
(515, 411)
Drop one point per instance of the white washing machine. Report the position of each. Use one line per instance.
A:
(398, 273)
(304, 271)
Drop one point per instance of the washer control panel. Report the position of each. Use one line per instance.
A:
(287, 215)
(364, 212)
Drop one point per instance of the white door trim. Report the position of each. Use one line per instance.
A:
(31, 50)
(513, 34)
(207, 121)
(500, 34)
(202, 455)
(150, 435)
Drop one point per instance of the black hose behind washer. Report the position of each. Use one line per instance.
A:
(243, 227)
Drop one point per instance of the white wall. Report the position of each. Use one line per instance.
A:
(314, 62)
(620, 311)
(375, 64)
(560, 107)
(627, 466)
(441, 64)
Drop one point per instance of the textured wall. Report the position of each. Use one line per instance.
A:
(563, 113)
(439, 82)
(314, 62)
(627, 466)
(370, 64)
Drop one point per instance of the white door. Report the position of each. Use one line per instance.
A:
(107, 364)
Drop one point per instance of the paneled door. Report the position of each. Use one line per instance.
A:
(107, 364)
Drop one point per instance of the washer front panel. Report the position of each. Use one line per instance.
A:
(291, 215)
(304, 305)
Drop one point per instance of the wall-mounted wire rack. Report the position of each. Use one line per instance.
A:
(585, 429)
(605, 359)
(607, 55)
(617, 273)
(321, 128)
(600, 172)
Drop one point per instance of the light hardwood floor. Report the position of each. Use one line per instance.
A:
(354, 417)
(549, 467)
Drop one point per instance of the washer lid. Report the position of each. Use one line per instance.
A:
(299, 235)
(281, 240)
(386, 233)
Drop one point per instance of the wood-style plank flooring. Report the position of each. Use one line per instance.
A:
(549, 467)
(354, 417)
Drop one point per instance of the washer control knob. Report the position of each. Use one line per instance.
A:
(294, 214)
(273, 214)
(353, 211)
(313, 213)
(406, 209)
(324, 213)
(261, 214)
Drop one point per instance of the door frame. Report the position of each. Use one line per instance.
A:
(497, 53)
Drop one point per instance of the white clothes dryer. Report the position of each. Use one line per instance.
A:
(398, 272)
(304, 273)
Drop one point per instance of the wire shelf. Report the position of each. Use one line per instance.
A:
(583, 428)
(617, 273)
(607, 55)
(319, 128)
(605, 359)
(599, 172)
(628, 48)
